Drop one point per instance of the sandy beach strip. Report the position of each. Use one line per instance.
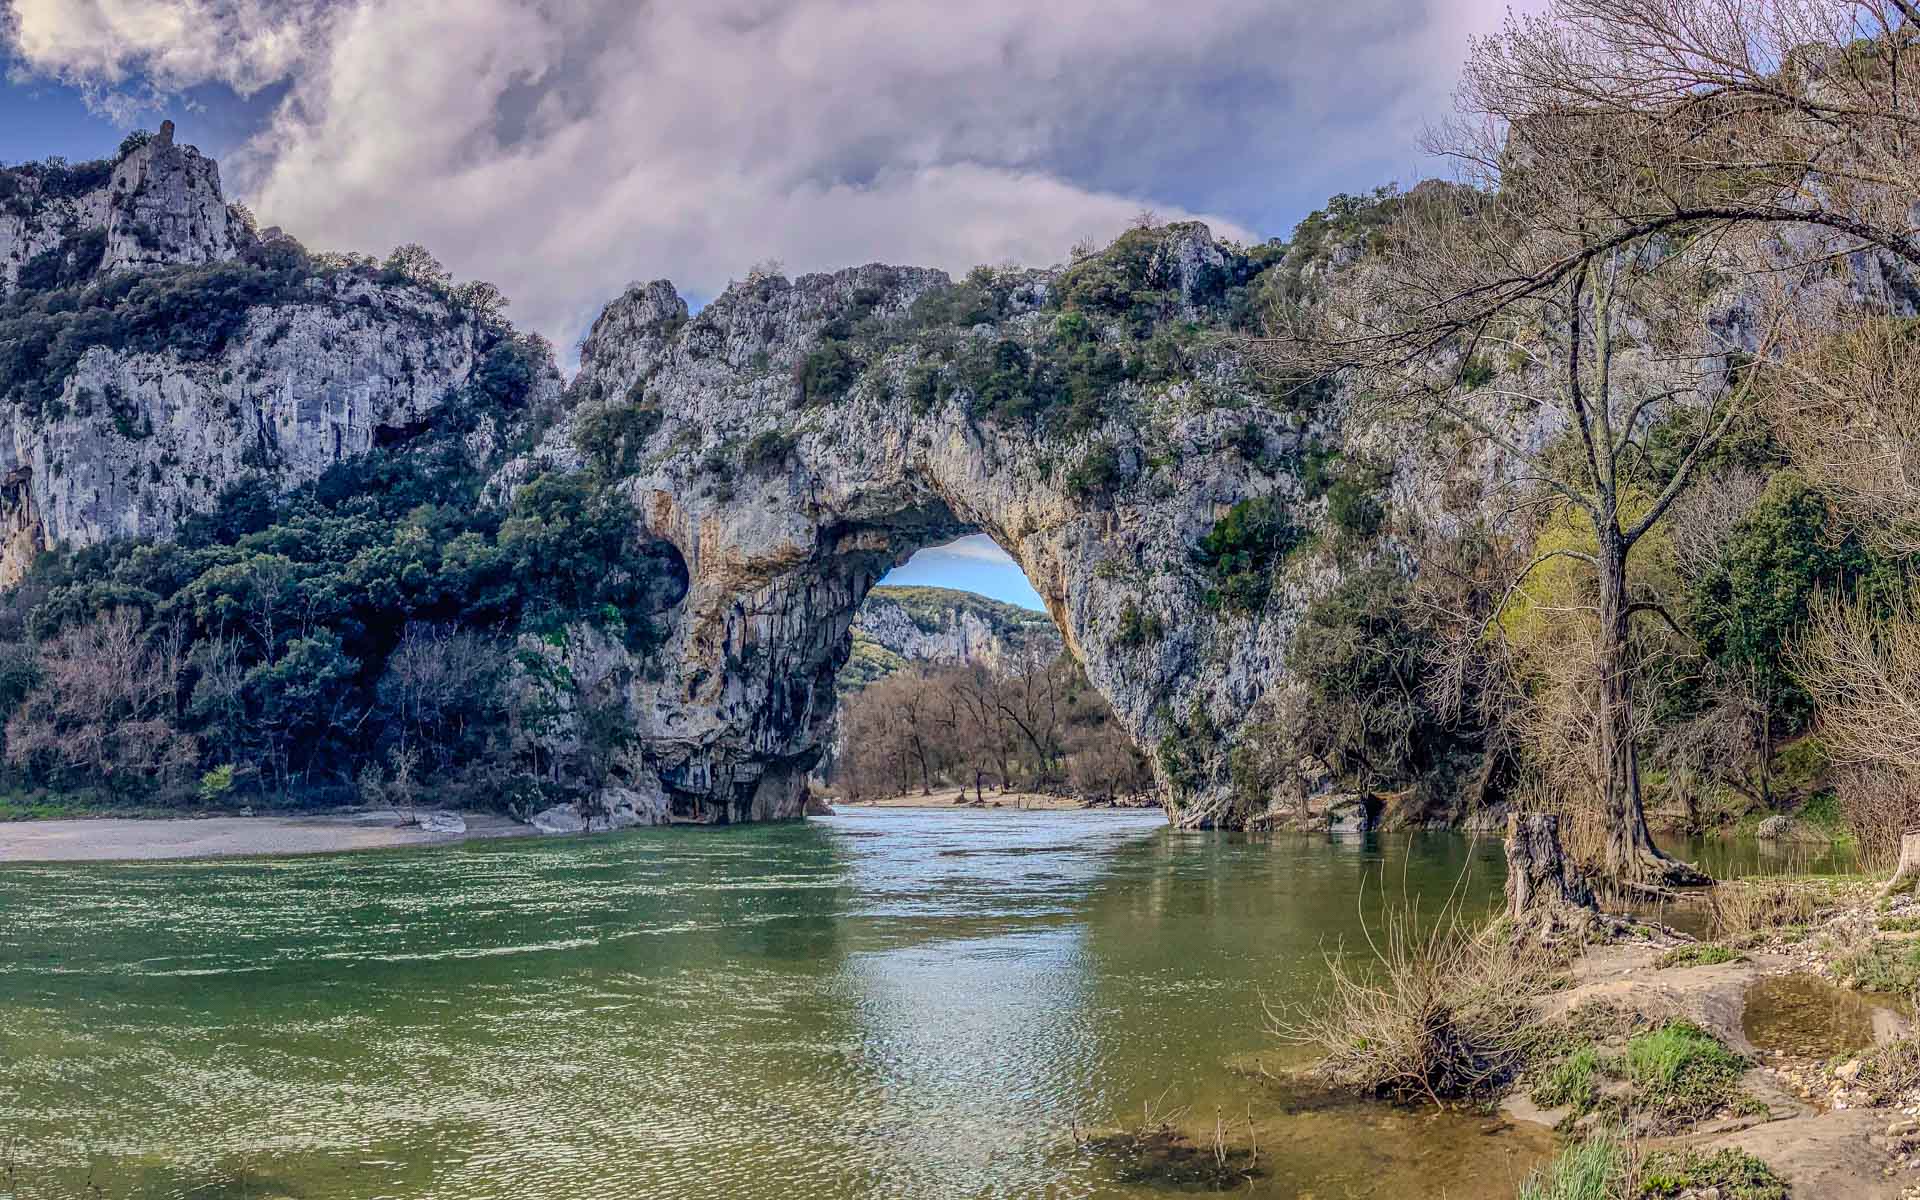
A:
(110, 839)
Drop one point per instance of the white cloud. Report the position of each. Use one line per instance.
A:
(564, 147)
(246, 44)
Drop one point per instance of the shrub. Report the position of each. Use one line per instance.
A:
(1735, 1174)
(1354, 509)
(974, 301)
(828, 372)
(1098, 474)
(1243, 549)
(1597, 1167)
(1442, 1012)
(926, 388)
(1008, 381)
(1476, 374)
(1139, 627)
(1187, 753)
(1573, 1082)
(1891, 1073)
(71, 262)
(610, 438)
(768, 448)
(1741, 912)
(1364, 663)
(215, 784)
(1883, 965)
(1699, 954)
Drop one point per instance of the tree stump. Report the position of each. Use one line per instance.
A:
(1908, 872)
(1543, 893)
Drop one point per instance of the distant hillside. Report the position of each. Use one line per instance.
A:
(902, 625)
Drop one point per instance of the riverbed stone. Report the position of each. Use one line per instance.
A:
(561, 818)
(443, 822)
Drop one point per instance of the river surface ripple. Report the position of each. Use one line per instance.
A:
(891, 1003)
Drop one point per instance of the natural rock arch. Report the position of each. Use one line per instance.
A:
(787, 507)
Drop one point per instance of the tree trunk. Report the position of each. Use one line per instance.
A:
(1543, 895)
(1908, 872)
(1631, 857)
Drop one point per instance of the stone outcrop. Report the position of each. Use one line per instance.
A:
(158, 204)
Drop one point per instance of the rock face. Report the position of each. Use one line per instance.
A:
(801, 438)
(901, 625)
(139, 432)
(159, 204)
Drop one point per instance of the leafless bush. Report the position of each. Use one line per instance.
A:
(1878, 806)
(1741, 912)
(1862, 669)
(106, 708)
(1848, 409)
(1440, 1011)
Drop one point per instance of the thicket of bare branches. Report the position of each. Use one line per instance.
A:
(106, 707)
(1040, 727)
(1847, 406)
(1863, 670)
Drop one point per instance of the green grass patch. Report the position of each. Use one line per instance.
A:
(1572, 1082)
(1681, 1071)
(1700, 954)
(1737, 1174)
(1594, 1168)
(1897, 924)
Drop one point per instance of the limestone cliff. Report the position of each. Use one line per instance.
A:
(898, 626)
(206, 355)
(787, 445)
(157, 204)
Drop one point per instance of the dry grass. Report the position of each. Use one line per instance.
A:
(1745, 912)
(1440, 1011)
(1891, 1073)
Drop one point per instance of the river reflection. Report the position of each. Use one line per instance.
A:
(880, 1004)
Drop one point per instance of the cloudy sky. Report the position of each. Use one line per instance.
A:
(562, 148)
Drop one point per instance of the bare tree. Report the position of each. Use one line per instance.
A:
(106, 708)
(1555, 391)
(1862, 669)
(1636, 118)
(439, 680)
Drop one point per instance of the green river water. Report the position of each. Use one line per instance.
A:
(891, 1003)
